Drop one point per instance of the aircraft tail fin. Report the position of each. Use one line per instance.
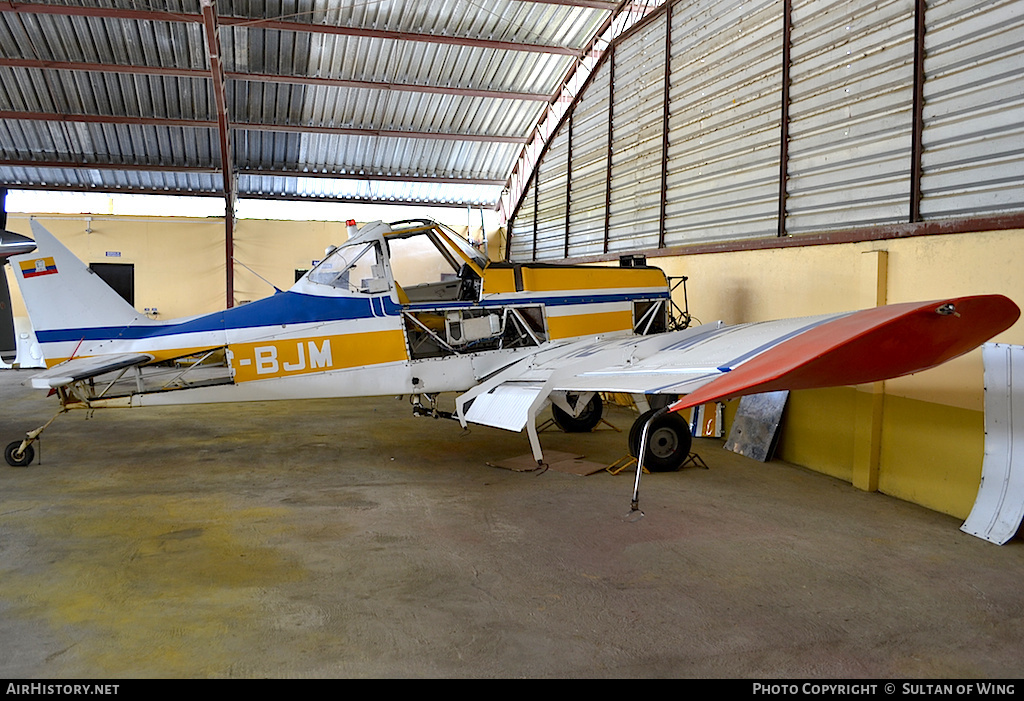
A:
(62, 294)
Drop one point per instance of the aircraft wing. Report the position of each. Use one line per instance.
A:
(83, 368)
(714, 361)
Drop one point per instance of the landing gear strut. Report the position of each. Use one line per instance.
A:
(660, 440)
(21, 453)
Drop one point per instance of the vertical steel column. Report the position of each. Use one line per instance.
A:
(608, 172)
(213, 54)
(3, 207)
(536, 192)
(568, 182)
(787, 21)
(917, 144)
(664, 125)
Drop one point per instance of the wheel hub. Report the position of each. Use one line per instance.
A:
(663, 442)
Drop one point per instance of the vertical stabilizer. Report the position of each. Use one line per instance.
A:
(61, 293)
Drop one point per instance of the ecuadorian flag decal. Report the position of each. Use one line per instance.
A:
(37, 267)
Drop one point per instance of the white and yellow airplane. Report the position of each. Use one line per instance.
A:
(411, 309)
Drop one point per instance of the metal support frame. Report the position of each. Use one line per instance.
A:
(664, 126)
(608, 152)
(917, 122)
(224, 132)
(787, 27)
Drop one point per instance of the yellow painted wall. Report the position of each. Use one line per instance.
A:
(180, 263)
(932, 437)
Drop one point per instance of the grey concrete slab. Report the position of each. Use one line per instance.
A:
(346, 538)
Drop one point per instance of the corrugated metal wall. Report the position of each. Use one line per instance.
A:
(973, 158)
(850, 112)
(636, 154)
(589, 185)
(724, 129)
(846, 127)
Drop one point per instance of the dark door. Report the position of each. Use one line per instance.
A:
(120, 276)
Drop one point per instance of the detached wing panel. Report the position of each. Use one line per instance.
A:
(867, 346)
(83, 368)
(713, 362)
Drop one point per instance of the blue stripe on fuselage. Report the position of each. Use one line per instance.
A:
(296, 308)
(281, 308)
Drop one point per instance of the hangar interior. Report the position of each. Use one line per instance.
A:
(789, 157)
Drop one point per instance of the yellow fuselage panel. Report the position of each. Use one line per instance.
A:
(574, 325)
(575, 278)
(263, 360)
(591, 278)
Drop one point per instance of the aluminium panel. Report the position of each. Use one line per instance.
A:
(638, 99)
(851, 111)
(521, 228)
(999, 506)
(724, 127)
(553, 176)
(973, 139)
(589, 174)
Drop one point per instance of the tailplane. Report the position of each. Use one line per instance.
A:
(62, 294)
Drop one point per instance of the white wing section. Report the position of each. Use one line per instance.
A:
(84, 368)
(670, 363)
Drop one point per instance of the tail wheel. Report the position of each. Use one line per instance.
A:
(587, 421)
(14, 459)
(668, 441)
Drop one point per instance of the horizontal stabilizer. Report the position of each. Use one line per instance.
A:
(78, 369)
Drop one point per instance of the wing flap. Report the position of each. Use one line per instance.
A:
(506, 406)
(78, 369)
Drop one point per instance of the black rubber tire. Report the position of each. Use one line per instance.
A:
(587, 421)
(24, 460)
(668, 444)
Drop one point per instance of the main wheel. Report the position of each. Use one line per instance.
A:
(668, 441)
(15, 460)
(588, 419)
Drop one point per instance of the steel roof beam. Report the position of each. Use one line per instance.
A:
(253, 196)
(254, 126)
(285, 25)
(227, 163)
(267, 78)
(107, 165)
(592, 4)
(257, 172)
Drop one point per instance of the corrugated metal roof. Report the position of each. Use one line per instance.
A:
(393, 101)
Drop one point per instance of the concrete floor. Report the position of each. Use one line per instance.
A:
(347, 539)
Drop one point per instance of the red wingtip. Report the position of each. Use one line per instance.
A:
(867, 346)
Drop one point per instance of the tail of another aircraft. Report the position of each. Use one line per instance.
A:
(61, 293)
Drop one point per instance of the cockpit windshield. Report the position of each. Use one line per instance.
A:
(355, 267)
(417, 260)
